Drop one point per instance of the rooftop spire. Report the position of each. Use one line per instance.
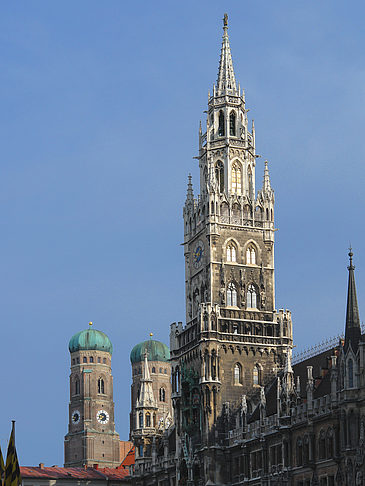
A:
(267, 184)
(226, 82)
(352, 328)
(190, 193)
(146, 398)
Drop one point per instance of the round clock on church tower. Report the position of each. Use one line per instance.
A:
(198, 253)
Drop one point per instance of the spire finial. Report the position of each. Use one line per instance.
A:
(351, 255)
(226, 82)
(90, 324)
(225, 22)
(151, 334)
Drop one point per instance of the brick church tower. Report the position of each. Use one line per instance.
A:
(234, 340)
(91, 437)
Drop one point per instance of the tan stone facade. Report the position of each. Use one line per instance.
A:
(91, 437)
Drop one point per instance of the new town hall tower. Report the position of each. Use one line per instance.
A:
(234, 340)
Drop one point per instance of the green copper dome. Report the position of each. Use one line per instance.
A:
(156, 350)
(90, 339)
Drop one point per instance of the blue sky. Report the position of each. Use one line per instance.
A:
(101, 103)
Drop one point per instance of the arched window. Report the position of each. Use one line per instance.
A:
(160, 370)
(322, 446)
(330, 444)
(148, 419)
(153, 369)
(237, 374)
(219, 175)
(101, 387)
(140, 420)
(231, 252)
(232, 124)
(251, 297)
(221, 130)
(299, 452)
(91, 359)
(350, 369)
(236, 178)
(77, 386)
(231, 294)
(249, 179)
(256, 375)
(84, 359)
(251, 255)
(162, 395)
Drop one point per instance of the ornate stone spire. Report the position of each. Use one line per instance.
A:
(266, 185)
(226, 82)
(352, 328)
(146, 398)
(190, 193)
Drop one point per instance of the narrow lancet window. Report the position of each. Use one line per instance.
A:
(232, 124)
(251, 255)
(231, 294)
(231, 252)
(237, 373)
(251, 297)
(236, 178)
(221, 130)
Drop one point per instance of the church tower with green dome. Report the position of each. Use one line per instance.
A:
(151, 407)
(91, 437)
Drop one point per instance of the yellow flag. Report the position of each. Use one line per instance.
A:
(12, 471)
(2, 468)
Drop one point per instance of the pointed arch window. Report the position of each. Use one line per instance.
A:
(251, 297)
(148, 419)
(140, 420)
(251, 255)
(256, 375)
(231, 294)
(162, 394)
(236, 178)
(221, 130)
(350, 369)
(232, 124)
(219, 175)
(101, 386)
(237, 374)
(231, 252)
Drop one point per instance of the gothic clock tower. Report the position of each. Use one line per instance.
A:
(234, 339)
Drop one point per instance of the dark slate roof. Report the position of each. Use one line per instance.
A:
(320, 363)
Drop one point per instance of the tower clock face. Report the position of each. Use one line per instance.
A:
(102, 417)
(75, 417)
(198, 253)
